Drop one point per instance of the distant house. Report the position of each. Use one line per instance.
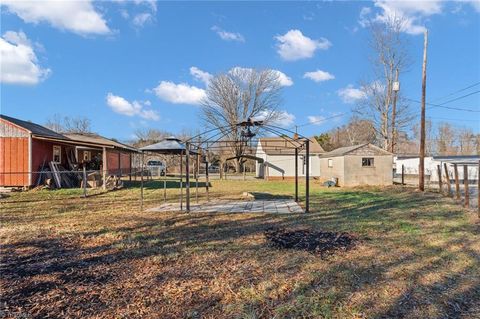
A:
(26, 147)
(364, 164)
(278, 160)
(410, 165)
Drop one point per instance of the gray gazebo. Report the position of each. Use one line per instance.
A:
(168, 146)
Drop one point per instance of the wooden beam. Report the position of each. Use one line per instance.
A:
(447, 180)
(457, 182)
(104, 168)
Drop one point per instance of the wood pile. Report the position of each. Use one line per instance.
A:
(56, 176)
(318, 242)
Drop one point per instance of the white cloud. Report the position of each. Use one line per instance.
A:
(76, 16)
(120, 105)
(200, 75)
(228, 36)
(319, 76)
(139, 20)
(179, 93)
(474, 3)
(350, 94)
(18, 61)
(364, 16)
(293, 45)
(282, 118)
(412, 12)
(283, 79)
(316, 119)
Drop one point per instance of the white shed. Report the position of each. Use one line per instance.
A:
(279, 158)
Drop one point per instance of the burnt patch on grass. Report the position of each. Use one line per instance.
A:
(323, 243)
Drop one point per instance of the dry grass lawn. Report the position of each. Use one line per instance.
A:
(63, 256)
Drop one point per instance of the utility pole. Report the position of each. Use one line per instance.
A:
(421, 164)
(395, 89)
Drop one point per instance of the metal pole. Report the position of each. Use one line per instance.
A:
(181, 180)
(84, 181)
(187, 176)
(197, 171)
(165, 184)
(307, 179)
(141, 184)
(296, 174)
(403, 174)
(207, 180)
(243, 166)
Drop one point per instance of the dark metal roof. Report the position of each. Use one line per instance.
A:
(170, 145)
(33, 128)
(97, 139)
(287, 145)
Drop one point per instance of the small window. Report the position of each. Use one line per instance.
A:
(57, 154)
(367, 161)
(87, 156)
(330, 163)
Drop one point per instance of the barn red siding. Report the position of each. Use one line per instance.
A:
(117, 161)
(14, 155)
(14, 159)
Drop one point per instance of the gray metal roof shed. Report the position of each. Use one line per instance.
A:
(170, 145)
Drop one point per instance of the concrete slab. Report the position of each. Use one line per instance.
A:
(249, 206)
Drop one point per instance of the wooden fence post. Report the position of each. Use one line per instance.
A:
(465, 184)
(439, 170)
(449, 187)
(457, 182)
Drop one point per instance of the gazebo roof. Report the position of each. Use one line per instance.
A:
(170, 145)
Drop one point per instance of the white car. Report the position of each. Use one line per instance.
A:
(156, 168)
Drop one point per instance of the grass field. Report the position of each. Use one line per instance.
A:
(64, 256)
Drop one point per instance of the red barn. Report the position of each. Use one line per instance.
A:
(25, 147)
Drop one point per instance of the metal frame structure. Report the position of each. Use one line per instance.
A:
(214, 139)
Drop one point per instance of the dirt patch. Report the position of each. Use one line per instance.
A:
(318, 242)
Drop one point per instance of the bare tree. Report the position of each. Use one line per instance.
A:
(467, 141)
(430, 145)
(356, 131)
(148, 136)
(390, 54)
(67, 124)
(446, 139)
(238, 95)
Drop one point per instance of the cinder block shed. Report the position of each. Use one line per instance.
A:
(363, 164)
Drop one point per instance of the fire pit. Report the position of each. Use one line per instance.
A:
(318, 242)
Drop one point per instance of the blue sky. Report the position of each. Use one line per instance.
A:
(140, 64)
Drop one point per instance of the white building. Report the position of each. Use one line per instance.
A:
(410, 166)
(278, 154)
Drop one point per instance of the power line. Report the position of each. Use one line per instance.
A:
(460, 97)
(458, 91)
(445, 107)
